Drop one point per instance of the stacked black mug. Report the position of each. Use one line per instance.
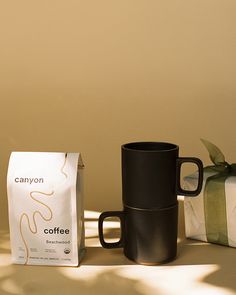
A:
(150, 185)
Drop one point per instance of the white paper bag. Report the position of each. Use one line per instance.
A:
(45, 200)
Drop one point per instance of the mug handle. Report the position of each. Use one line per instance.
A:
(102, 217)
(199, 164)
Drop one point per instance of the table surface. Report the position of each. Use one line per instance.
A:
(200, 268)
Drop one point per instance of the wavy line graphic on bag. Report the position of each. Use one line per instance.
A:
(34, 229)
(63, 166)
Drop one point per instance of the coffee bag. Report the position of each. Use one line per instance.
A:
(45, 201)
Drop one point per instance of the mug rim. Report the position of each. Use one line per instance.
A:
(153, 209)
(161, 146)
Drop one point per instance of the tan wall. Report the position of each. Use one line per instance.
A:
(90, 75)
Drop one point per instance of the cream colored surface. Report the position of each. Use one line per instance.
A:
(89, 76)
(200, 268)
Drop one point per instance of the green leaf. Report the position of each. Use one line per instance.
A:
(215, 153)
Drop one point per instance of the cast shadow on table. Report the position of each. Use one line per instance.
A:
(105, 257)
(190, 252)
(38, 280)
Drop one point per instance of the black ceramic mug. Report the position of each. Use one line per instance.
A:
(148, 237)
(150, 185)
(151, 174)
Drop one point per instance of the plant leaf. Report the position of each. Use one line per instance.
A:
(215, 153)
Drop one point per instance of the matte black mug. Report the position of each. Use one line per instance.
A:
(151, 174)
(150, 185)
(148, 237)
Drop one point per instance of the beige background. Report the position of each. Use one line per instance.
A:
(90, 75)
